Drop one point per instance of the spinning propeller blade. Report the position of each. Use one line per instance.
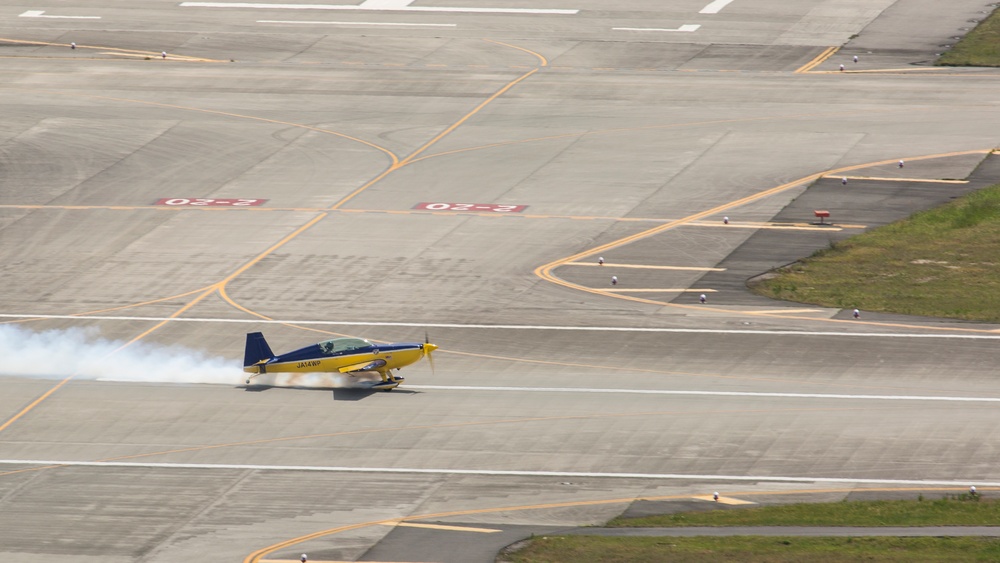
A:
(427, 349)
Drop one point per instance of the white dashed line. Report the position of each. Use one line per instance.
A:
(685, 27)
(41, 14)
(374, 5)
(359, 23)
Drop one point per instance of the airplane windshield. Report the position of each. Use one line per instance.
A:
(338, 345)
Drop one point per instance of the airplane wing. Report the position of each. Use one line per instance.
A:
(367, 366)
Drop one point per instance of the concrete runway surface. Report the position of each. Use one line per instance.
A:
(174, 175)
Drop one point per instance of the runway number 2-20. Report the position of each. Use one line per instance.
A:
(471, 207)
(208, 202)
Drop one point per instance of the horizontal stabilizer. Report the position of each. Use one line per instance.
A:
(366, 366)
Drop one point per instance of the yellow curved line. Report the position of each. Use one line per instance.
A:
(545, 271)
(464, 118)
(255, 557)
(542, 60)
(384, 150)
(397, 164)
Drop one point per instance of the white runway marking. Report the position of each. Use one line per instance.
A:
(711, 393)
(506, 473)
(513, 327)
(40, 14)
(685, 27)
(715, 7)
(360, 23)
(373, 5)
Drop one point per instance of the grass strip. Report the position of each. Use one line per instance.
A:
(979, 47)
(953, 510)
(595, 549)
(944, 262)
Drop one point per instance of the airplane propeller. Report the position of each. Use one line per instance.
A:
(427, 349)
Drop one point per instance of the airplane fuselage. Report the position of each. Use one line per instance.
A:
(337, 355)
(311, 358)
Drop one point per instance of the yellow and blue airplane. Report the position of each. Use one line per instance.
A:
(337, 355)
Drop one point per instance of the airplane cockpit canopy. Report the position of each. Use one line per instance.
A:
(340, 345)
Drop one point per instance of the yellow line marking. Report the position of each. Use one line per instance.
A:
(220, 286)
(818, 60)
(772, 226)
(389, 153)
(942, 70)
(259, 209)
(723, 500)
(255, 557)
(645, 267)
(66, 380)
(441, 527)
(125, 54)
(660, 290)
(545, 271)
(925, 180)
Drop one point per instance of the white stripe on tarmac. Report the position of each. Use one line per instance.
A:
(685, 27)
(711, 393)
(504, 473)
(359, 23)
(40, 14)
(715, 7)
(27, 316)
(373, 6)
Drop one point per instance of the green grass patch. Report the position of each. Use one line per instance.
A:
(950, 510)
(979, 47)
(588, 549)
(944, 262)
(955, 510)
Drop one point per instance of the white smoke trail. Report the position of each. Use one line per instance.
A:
(57, 354)
(318, 380)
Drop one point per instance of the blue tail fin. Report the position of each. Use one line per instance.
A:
(257, 349)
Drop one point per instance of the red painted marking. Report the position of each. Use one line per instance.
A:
(209, 202)
(470, 207)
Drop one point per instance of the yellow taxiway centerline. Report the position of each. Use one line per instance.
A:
(256, 556)
(655, 290)
(775, 226)
(442, 527)
(826, 54)
(925, 180)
